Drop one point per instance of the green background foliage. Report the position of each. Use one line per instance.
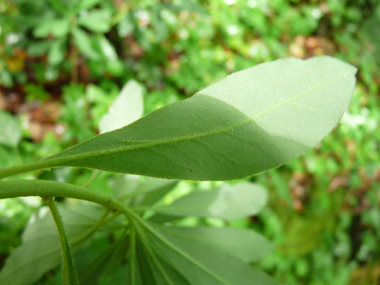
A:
(68, 61)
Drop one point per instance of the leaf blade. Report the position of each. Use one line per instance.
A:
(228, 202)
(220, 134)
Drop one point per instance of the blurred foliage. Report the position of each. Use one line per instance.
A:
(62, 63)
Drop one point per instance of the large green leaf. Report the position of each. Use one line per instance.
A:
(228, 202)
(41, 250)
(243, 244)
(251, 121)
(196, 263)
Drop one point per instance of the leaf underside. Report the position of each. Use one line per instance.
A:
(249, 122)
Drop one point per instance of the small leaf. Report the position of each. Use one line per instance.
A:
(127, 108)
(228, 202)
(57, 52)
(38, 48)
(97, 21)
(56, 27)
(106, 48)
(249, 122)
(10, 131)
(87, 4)
(84, 43)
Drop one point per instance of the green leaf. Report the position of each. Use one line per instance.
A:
(133, 264)
(228, 202)
(57, 52)
(87, 4)
(56, 27)
(198, 264)
(84, 43)
(128, 188)
(10, 131)
(38, 48)
(249, 122)
(28, 262)
(106, 48)
(243, 244)
(40, 250)
(125, 184)
(153, 190)
(162, 273)
(97, 21)
(92, 273)
(126, 108)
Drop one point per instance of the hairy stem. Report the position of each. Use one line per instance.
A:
(44, 188)
(69, 275)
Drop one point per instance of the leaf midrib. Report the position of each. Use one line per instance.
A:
(154, 143)
(182, 253)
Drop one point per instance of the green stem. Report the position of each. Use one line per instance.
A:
(44, 188)
(69, 275)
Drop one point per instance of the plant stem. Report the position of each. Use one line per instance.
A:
(73, 53)
(69, 275)
(44, 188)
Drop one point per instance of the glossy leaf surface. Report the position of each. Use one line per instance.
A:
(249, 122)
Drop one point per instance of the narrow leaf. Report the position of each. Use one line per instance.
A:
(228, 202)
(249, 122)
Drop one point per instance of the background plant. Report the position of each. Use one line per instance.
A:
(185, 47)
